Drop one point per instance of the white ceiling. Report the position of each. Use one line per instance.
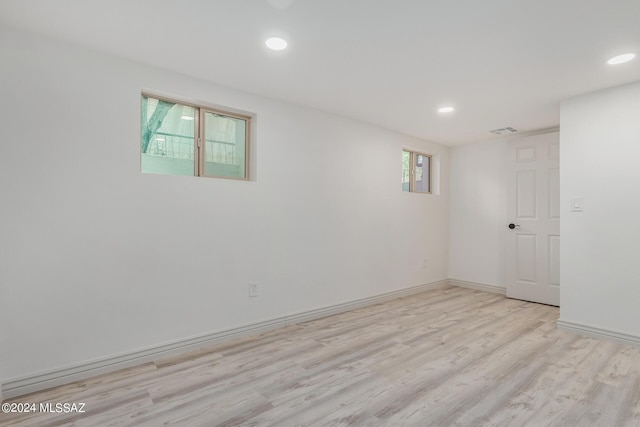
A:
(391, 63)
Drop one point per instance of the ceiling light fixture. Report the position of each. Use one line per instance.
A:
(446, 109)
(621, 59)
(276, 43)
(186, 117)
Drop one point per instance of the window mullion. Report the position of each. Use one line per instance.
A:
(412, 172)
(199, 142)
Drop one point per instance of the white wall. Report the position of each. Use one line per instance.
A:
(97, 259)
(599, 152)
(478, 212)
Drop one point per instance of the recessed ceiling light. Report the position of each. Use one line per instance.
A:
(621, 59)
(445, 109)
(276, 43)
(186, 118)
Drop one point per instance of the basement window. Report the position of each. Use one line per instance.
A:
(416, 172)
(194, 140)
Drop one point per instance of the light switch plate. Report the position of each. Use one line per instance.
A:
(577, 204)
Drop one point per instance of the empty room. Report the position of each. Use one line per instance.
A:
(319, 213)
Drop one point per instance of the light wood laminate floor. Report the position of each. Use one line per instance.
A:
(449, 357)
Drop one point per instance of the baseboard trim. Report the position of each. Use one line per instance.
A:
(595, 332)
(478, 286)
(305, 316)
(52, 378)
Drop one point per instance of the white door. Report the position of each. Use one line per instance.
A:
(533, 219)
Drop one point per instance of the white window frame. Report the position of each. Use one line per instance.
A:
(412, 170)
(199, 134)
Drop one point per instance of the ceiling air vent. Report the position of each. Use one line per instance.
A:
(504, 131)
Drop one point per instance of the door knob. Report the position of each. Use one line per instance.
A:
(512, 226)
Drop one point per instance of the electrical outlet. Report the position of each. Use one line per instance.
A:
(253, 289)
(424, 263)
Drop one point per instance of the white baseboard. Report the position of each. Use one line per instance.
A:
(595, 332)
(364, 302)
(478, 286)
(52, 378)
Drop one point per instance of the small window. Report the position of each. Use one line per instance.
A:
(416, 172)
(182, 139)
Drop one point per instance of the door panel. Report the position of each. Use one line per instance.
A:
(526, 154)
(533, 260)
(554, 193)
(526, 194)
(526, 257)
(554, 260)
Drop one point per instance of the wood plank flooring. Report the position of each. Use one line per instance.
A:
(449, 357)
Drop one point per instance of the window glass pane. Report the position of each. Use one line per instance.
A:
(225, 145)
(422, 173)
(406, 161)
(167, 140)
